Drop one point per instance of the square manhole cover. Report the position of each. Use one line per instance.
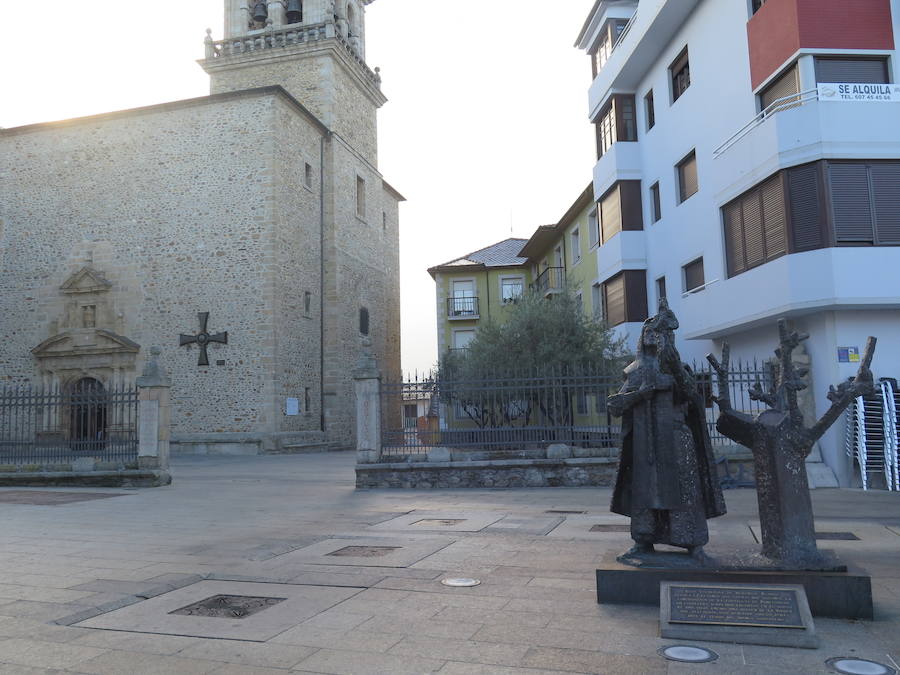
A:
(566, 512)
(439, 522)
(228, 606)
(46, 498)
(365, 551)
(611, 528)
(837, 536)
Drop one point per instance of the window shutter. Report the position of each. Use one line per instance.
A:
(805, 208)
(865, 71)
(734, 239)
(886, 194)
(611, 214)
(693, 275)
(614, 300)
(774, 217)
(687, 173)
(850, 202)
(635, 295)
(751, 209)
(787, 84)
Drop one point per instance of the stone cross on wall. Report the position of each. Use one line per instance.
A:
(203, 338)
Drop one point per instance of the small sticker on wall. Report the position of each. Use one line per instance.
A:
(848, 354)
(292, 406)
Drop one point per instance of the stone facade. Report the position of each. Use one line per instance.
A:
(242, 204)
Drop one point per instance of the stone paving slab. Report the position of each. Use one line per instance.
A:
(155, 615)
(367, 552)
(441, 521)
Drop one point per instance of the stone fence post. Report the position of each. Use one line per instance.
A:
(367, 385)
(154, 414)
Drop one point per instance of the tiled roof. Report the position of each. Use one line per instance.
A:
(502, 254)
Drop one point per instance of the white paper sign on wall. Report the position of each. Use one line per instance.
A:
(292, 406)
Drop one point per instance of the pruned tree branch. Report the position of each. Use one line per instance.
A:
(723, 400)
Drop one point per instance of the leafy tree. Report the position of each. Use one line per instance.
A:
(515, 371)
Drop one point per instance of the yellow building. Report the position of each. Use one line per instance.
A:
(477, 287)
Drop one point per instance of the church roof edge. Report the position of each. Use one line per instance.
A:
(277, 90)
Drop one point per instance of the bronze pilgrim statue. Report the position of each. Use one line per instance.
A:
(667, 482)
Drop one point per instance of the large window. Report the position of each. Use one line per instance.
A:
(511, 289)
(693, 276)
(625, 297)
(780, 89)
(812, 206)
(843, 69)
(756, 227)
(688, 184)
(615, 123)
(680, 72)
(609, 36)
(620, 209)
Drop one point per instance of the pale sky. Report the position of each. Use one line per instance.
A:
(485, 131)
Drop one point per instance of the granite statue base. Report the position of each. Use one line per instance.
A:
(834, 594)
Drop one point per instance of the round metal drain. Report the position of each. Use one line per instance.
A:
(461, 582)
(687, 654)
(852, 666)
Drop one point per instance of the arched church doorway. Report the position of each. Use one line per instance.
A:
(88, 415)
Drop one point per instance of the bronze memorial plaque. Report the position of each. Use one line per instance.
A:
(734, 606)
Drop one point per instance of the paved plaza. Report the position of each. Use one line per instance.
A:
(277, 564)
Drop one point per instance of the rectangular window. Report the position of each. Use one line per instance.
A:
(680, 72)
(384, 220)
(594, 228)
(576, 246)
(755, 227)
(360, 196)
(308, 175)
(511, 289)
(688, 184)
(655, 205)
(650, 110)
(621, 209)
(611, 32)
(597, 300)
(660, 288)
(865, 202)
(757, 5)
(307, 403)
(858, 70)
(307, 302)
(464, 303)
(625, 297)
(463, 338)
(693, 275)
(615, 123)
(783, 91)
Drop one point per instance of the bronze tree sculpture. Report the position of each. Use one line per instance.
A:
(781, 442)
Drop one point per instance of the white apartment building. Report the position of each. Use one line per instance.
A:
(749, 169)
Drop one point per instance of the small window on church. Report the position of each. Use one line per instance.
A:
(363, 321)
(361, 196)
(307, 176)
(384, 220)
(89, 316)
(306, 400)
(307, 302)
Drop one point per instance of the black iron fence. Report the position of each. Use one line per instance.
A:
(551, 279)
(50, 426)
(462, 308)
(529, 411)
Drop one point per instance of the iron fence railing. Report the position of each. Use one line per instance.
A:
(551, 279)
(520, 413)
(462, 308)
(41, 426)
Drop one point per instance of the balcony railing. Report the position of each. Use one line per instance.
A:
(783, 103)
(551, 280)
(462, 308)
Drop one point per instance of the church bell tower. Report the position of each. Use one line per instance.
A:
(315, 49)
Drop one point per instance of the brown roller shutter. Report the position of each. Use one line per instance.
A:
(806, 208)
(850, 202)
(693, 275)
(614, 300)
(635, 295)
(687, 176)
(865, 71)
(632, 208)
(886, 196)
(734, 239)
(787, 84)
(774, 217)
(754, 246)
(611, 214)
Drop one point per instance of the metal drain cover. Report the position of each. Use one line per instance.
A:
(461, 582)
(439, 522)
(687, 654)
(228, 606)
(854, 666)
(364, 551)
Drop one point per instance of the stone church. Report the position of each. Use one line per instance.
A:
(248, 234)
